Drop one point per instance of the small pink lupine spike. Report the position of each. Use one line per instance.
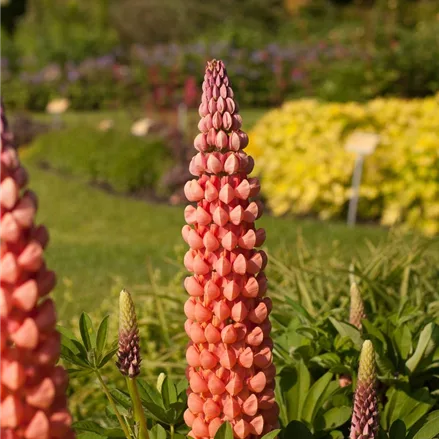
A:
(230, 372)
(33, 404)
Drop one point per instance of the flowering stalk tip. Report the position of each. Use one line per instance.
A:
(129, 348)
(356, 313)
(365, 418)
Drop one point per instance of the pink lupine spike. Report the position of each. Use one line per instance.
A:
(33, 404)
(230, 372)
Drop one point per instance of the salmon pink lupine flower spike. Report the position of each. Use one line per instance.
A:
(230, 363)
(365, 418)
(33, 400)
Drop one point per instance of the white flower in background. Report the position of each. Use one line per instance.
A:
(141, 127)
(106, 125)
(58, 106)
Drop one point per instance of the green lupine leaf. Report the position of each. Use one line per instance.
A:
(294, 383)
(428, 341)
(428, 428)
(272, 435)
(86, 330)
(107, 357)
(157, 432)
(93, 427)
(327, 360)
(224, 432)
(101, 338)
(313, 398)
(333, 418)
(403, 341)
(296, 429)
(347, 330)
(169, 392)
(397, 430)
(67, 355)
(121, 398)
(149, 393)
(418, 405)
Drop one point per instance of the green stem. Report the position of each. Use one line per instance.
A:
(113, 405)
(139, 414)
(172, 431)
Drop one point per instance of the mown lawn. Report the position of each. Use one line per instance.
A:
(100, 242)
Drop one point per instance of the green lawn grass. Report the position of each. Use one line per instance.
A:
(100, 242)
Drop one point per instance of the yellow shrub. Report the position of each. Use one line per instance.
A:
(304, 168)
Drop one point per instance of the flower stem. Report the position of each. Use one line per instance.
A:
(172, 431)
(139, 414)
(113, 405)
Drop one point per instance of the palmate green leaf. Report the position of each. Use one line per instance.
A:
(313, 400)
(403, 341)
(428, 429)
(297, 429)
(272, 435)
(169, 392)
(86, 330)
(333, 418)
(428, 342)
(68, 356)
(408, 406)
(93, 427)
(149, 393)
(327, 360)
(121, 398)
(336, 434)
(101, 337)
(420, 404)
(347, 330)
(300, 311)
(157, 432)
(224, 432)
(294, 384)
(397, 430)
(90, 435)
(107, 357)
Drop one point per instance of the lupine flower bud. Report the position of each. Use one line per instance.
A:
(357, 307)
(365, 416)
(231, 372)
(33, 401)
(129, 349)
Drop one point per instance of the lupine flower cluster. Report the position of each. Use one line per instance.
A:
(365, 418)
(33, 402)
(231, 372)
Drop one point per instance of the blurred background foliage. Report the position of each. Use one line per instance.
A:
(107, 53)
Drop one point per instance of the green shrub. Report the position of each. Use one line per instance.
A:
(115, 159)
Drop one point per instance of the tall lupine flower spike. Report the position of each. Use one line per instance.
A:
(357, 307)
(33, 400)
(365, 416)
(129, 349)
(230, 365)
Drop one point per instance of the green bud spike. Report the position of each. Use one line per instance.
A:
(357, 307)
(129, 350)
(127, 313)
(367, 368)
